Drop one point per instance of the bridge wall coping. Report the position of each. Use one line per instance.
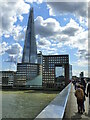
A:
(56, 108)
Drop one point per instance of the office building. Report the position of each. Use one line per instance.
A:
(27, 72)
(49, 71)
(55, 70)
(30, 48)
(70, 72)
(7, 78)
(39, 58)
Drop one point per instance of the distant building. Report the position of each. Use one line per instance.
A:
(70, 72)
(30, 48)
(28, 70)
(26, 73)
(7, 78)
(50, 65)
(39, 58)
(48, 71)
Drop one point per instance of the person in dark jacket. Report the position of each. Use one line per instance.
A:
(84, 98)
(88, 91)
(83, 82)
(83, 86)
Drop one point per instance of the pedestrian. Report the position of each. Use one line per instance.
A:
(84, 98)
(79, 95)
(77, 84)
(83, 82)
(74, 83)
(88, 91)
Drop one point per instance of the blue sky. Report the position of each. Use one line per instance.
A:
(60, 28)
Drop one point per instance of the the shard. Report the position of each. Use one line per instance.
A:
(30, 48)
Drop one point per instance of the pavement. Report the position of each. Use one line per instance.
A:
(71, 111)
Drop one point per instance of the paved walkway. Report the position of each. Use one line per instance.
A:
(71, 108)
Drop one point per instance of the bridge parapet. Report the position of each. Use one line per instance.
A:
(57, 107)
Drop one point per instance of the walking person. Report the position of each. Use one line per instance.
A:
(83, 82)
(83, 87)
(88, 91)
(84, 98)
(79, 95)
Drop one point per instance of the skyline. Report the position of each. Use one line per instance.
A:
(59, 30)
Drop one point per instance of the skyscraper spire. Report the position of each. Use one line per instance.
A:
(30, 48)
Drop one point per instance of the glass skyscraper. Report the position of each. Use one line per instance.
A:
(30, 48)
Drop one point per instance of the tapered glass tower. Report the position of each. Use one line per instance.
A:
(30, 48)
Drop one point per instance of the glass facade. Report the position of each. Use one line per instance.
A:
(30, 48)
(27, 73)
(39, 58)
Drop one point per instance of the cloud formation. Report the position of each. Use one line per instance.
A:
(76, 8)
(46, 28)
(13, 51)
(43, 42)
(3, 47)
(37, 1)
(56, 36)
(52, 37)
(72, 33)
(10, 12)
(51, 27)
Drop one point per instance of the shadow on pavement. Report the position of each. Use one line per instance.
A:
(76, 116)
(88, 114)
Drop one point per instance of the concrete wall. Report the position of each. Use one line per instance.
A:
(57, 107)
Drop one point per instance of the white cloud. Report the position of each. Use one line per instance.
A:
(21, 18)
(37, 1)
(77, 72)
(72, 34)
(80, 65)
(59, 45)
(81, 62)
(78, 42)
(3, 47)
(51, 28)
(72, 28)
(44, 42)
(14, 49)
(6, 36)
(51, 51)
(46, 28)
(83, 54)
(14, 52)
(43, 45)
(18, 32)
(11, 10)
(52, 35)
(46, 46)
(76, 8)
